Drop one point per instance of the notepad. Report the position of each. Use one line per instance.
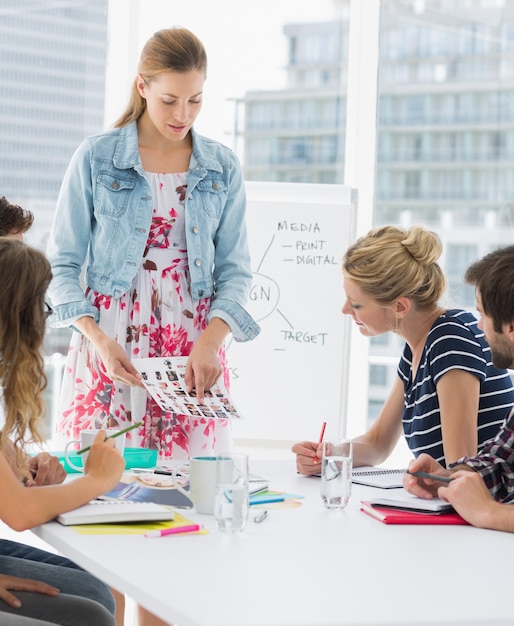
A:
(378, 477)
(402, 516)
(407, 502)
(104, 512)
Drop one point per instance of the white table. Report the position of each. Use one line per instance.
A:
(307, 566)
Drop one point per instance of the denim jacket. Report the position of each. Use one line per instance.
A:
(103, 214)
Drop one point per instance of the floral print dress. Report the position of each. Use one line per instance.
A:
(155, 318)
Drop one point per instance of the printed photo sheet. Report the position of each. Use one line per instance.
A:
(164, 379)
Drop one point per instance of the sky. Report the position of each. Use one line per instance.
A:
(244, 39)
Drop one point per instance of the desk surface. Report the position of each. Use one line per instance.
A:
(307, 566)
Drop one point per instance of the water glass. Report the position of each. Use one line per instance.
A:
(231, 500)
(336, 473)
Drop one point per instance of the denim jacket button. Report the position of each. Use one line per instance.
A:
(215, 186)
(196, 230)
(115, 185)
(198, 262)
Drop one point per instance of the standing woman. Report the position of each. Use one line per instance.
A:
(448, 397)
(156, 213)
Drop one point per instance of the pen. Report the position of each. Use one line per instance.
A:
(260, 518)
(151, 470)
(320, 440)
(116, 434)
(443, 479)
(174, 531)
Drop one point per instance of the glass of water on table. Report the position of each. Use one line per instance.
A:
(336, 473)
(231, 503)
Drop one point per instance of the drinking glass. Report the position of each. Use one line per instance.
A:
(231, 500)
(336, 473)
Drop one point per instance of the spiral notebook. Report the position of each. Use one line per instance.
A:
(378, 477)
(105, 512)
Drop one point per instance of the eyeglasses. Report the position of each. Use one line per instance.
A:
(48, 310)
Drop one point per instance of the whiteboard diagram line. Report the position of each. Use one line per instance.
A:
(280, 312)
(266, 252)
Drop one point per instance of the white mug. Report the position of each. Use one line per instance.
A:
(86, 439)
(202, 483)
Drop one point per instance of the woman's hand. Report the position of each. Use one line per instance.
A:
(308, 457)
(114, 358)
(117, 364)
(45, 469)
(22, 584)
(203, 368)
(104, 462)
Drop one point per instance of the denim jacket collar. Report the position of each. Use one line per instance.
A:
(126, 154)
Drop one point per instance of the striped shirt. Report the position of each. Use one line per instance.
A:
(453, 342)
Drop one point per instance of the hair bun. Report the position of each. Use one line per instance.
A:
(423, 245)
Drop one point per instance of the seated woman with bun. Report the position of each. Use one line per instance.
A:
(448, 398)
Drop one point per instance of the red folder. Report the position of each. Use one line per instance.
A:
(398, 516)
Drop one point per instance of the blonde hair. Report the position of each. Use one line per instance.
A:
(168, 50)
(390, 262)
(26, 274)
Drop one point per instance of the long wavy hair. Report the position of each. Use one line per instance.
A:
(25, 275)
(168, 50)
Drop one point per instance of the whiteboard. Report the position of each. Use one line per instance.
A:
(294, 375)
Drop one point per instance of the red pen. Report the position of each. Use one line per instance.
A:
(320, 440)
(174, 531)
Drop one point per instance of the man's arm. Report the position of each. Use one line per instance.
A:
(470, 497)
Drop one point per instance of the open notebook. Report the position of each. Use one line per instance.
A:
(104, 512)
(378, 477)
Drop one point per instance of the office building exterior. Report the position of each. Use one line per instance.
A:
(445, 134)
(52, 94)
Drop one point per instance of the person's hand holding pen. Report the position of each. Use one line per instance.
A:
(462, 487)
(425, 487)
(308, 455)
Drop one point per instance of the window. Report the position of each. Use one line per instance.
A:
(444, 116)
